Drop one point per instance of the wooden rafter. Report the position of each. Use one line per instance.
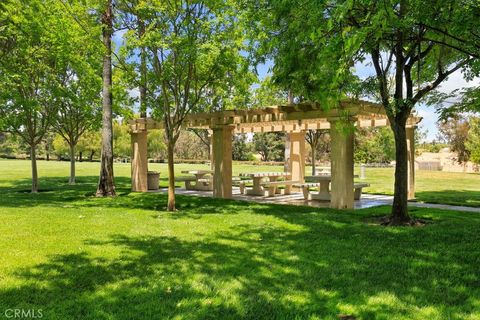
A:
(291, 117)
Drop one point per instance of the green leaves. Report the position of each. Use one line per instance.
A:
(53, 60)
(473, 142)
(315, 44)
(193, 54)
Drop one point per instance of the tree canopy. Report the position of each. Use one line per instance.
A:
(42, 48)
(412, 46)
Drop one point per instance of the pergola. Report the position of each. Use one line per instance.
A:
(294, 119)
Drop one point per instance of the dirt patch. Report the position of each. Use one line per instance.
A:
(386, 221)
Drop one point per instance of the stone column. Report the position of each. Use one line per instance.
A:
(410, 130)
(295, 156)
(341, 164)
(210, 137)
(222, 161)
(139, 161)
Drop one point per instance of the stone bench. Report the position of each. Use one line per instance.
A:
(272, 186)
(241, 183)
(188, 182)
(357, 189)
(204, 184)
(306, 188)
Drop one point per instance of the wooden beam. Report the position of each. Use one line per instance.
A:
(280, 118)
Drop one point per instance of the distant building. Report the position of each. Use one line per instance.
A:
(444, 160)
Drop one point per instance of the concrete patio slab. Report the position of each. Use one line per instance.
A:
(295, 198)
(367, 200)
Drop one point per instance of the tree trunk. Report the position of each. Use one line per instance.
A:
(400, 201)
(290, 97)
(33, 159)
(171, 177)
(106, 185)
(143, 73)
(90, 157)
(80, 156)
(72, 165)
(314, 159)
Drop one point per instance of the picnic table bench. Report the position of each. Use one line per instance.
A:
(357, 187)
(272, 186)
(188, 182)
(201, 180)
(258, 181)
(241, 183)
(325, 195)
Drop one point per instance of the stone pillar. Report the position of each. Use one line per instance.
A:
(362, 171)
(410, 130)
(210, 137)
(341, 164)
(139, 161)
(222, 161)
(295, 157)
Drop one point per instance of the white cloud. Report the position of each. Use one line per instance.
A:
(456, 81)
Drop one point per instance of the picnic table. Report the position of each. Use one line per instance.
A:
(202, 182)
(324, 186)
(258, 189)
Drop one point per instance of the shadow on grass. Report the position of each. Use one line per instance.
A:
(322, 265)
(328, 263)
(55, 191)
(58, 193)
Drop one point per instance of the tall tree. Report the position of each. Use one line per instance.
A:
(241, 149)
(78, 111)
(79, 108)
(473, 142)
(121, 140)
(413, 46)
(374, 145)
(78, 98)
(48, 144)
(205, 137)
(27, 73)
(455, 132)
(157, 149)
(193, 51)
(313, 137)
(90, 144)
(106, 183)
(270, 145)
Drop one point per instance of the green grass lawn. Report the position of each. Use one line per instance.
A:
(79, 257)
(431, 186)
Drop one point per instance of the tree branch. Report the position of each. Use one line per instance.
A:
(441, 76)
